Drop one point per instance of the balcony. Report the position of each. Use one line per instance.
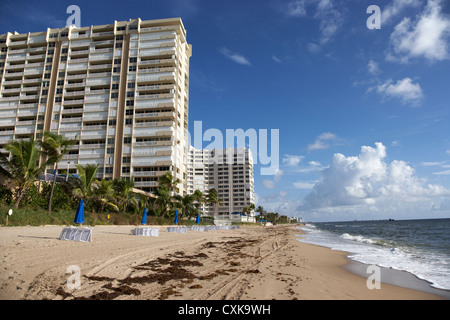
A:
(70, 128)
(73, 119)
(75, 85)
(145, 183)
(144, 173)
(100, 66)
(72, 102)
(72, 111)
(92, 146)
(156, 77)
(143, 104)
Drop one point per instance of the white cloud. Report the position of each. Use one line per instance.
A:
(274, 58)
(396, 7)
(405, 90)
(368, 183)
(330, 20)
(373, 68)
(236, 57)
(442, 173)
(432, 163)
(296, 8)
(269, 184)
(327, 12)
(303, 185)
(292, 160)
(322, 141)
(425, 37)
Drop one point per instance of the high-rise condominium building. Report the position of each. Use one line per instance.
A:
(230, 172)
(122, 89)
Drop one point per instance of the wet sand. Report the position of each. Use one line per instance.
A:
(261, 263)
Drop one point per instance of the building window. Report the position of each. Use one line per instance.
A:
(125, 169)
(128, 121)
(130, 103)
(126, 159)
(132, 68)
(132, 60)
(131, 85)
(116, 69)
(108, 170)
(127, 140)
(112, 122)
(114, 95)
(129, 112)
(109, 150)
(115, 86)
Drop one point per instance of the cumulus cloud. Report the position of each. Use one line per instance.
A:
(405, 90)
(424, 37)
(236, 57)
(367, 182)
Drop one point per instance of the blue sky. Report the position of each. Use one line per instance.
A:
(363, 115)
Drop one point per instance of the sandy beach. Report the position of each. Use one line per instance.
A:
(261, 263)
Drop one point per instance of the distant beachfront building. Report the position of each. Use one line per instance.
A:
(232, 179)
(122, 89)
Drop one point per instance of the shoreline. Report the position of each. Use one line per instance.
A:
(399, 278)
(250, 263)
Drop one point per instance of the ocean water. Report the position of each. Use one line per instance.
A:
(421, 247)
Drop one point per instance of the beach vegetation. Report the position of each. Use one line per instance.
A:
(37, 201)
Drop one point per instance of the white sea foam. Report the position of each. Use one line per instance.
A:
(423, 264)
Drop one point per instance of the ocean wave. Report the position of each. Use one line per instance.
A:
(358, 238)
(426, 265)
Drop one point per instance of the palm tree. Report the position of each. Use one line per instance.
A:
(22, 165)
(251, 208)
(198, 198)
(163, 200)
(213, 198)
(168, 180)
(85, 181)
(185, 204)
(246, 210)
(260, 210)
(124, 191)
(55, 147)
(104, 193)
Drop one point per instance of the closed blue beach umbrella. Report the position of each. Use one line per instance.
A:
(79, 216)
(176, 217)
(144, 217)
(198, 218)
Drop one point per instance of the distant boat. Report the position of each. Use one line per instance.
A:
(391, 220)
